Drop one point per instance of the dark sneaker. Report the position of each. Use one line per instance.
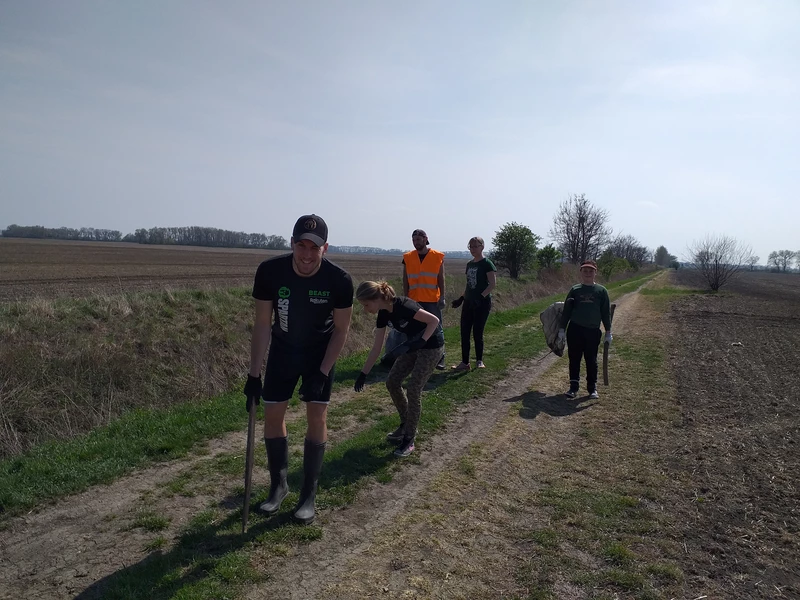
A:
(397, 435)
(594, 395)
(405, 448)
(570, 393)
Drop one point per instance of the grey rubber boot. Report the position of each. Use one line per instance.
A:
(278, 465)
(313, 452)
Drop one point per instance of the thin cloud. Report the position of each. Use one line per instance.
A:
(692, 79)
(648, 204)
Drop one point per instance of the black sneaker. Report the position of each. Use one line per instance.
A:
(405, 448)
(570, 393)
(397, 435)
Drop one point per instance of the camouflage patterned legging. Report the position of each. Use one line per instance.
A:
(420, 365)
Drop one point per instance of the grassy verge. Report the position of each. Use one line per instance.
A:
(606, 532)
(558, 501)
(140, 437)
(211, 559)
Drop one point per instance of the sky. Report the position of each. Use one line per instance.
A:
(679, 118)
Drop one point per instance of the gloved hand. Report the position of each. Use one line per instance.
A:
(311, 390)
(416, 344)
(609, 337)
(359, 386)
(441, 303)
(457, 302)
(252, 390)
(562, 335)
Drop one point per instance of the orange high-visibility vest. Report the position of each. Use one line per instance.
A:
(423, 276)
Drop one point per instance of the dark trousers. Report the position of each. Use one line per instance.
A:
(473, 320)
(583, 342)
(433, 308)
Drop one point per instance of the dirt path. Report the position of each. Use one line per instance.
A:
(60, 550)
(324, 566)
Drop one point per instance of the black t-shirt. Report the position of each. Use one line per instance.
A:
(303, 306)
(402, 319)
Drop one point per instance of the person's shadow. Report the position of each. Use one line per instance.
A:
(535, 402)
(198, 550)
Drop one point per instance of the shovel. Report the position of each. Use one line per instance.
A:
(605, 348)
(248, 465)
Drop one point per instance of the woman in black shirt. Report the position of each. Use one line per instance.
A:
(420, 353)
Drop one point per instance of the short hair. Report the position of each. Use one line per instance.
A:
(374, 290)
(477, 239)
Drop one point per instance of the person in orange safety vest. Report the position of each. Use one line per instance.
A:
(423, 278)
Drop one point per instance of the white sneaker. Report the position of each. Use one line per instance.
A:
(594, 395)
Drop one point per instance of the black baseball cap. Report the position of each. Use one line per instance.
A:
(310, 227)
(420, 233)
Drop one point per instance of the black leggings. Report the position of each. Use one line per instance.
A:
(473, 319)
(583, 342)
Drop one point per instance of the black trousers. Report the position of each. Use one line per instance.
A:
(473, 321)
(583, 343)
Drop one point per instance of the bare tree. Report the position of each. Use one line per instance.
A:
(580, 229)
(752, 261)
(629, 248)
(781, 259)
(718, 259)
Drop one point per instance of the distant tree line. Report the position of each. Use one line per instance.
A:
(206, 236)
(62, 233)
(362, 250)
(391, 251)
(181, 236)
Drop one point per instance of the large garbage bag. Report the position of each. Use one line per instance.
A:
(551, 322)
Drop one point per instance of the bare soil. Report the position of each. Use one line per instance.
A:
(734, 357)
(55, 269)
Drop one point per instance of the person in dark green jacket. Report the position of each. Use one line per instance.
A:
(589, 306)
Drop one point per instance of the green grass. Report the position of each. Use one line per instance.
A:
(155, 544)
(149, 521)
(600, 496)
(672, 291)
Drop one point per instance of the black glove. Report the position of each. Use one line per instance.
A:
(359, 386)
(457, 302)
(416, 344)
(252, 389)
(311, 390)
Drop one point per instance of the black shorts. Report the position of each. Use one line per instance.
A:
(286, 366)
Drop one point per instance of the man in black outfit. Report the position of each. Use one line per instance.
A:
(311, 299)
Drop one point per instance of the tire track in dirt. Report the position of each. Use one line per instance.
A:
(349, 532)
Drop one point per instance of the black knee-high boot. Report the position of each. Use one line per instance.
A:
(313, 453)
(278, 465)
